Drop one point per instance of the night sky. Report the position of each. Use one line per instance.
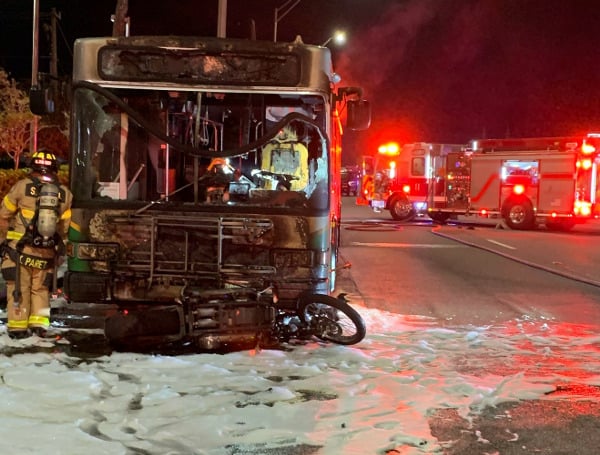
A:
(434, 70)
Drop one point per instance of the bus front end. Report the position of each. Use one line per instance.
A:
(205, 194)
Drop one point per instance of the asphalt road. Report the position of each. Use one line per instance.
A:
(560, 425)
(527, 247)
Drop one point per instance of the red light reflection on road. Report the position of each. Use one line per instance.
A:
(542, 349)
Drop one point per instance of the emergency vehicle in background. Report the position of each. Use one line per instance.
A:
(525, 182)
(401, 178)
(350, 177)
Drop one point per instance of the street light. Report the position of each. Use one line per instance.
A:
(339, 38)
(284, 10)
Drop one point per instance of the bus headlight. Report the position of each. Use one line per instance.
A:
(94, 251)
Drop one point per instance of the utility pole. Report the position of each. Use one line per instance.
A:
(53, 47)
(34, 72)
(252, 29)
(222, 19)
(120, 19)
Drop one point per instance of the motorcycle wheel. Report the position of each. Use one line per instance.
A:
(331, 319)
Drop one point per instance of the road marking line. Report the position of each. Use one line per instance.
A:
(405, 245)
(502, 244)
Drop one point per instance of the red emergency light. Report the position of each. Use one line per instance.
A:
(587, 148)
(583, 208)
(390, 149)
(392, 170)
(585, 164)
(519, 189)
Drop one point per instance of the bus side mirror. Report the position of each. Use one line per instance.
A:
(358, 115)
(41, 101)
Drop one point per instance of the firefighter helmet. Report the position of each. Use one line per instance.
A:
(44, 162)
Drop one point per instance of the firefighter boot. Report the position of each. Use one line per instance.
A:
(18, 334)
(39, 331)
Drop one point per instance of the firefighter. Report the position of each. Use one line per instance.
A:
(368, 186)
(34, 218)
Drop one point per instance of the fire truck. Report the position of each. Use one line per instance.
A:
(524, 182)
(399, 178)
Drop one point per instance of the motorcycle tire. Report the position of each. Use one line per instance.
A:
(332, 319)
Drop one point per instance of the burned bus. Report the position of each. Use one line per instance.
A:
(205, 174)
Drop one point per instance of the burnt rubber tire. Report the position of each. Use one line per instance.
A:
(518, 213)
(401, 209)
(332, 319)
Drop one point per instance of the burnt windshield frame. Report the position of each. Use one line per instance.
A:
(267, 136)
(82, 179)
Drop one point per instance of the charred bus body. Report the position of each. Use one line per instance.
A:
(206, 181)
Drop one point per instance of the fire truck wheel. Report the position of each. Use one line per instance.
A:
(401, 209)
(518, 213)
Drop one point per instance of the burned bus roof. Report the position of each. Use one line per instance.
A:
(196, 62)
